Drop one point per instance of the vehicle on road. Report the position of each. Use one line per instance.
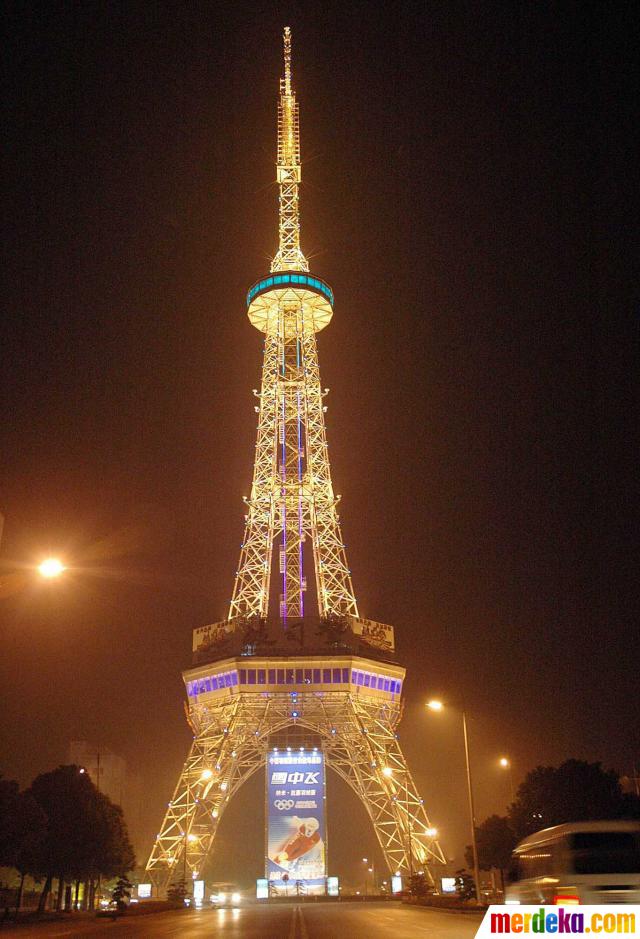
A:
(581, 862)
(225, 896)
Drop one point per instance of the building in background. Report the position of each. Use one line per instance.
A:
(109, 773)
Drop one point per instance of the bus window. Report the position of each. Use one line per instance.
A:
(605, 852)
(514, 873)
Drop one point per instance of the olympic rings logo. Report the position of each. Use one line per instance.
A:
(283, 804)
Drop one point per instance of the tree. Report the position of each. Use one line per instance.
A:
(121, 890)
(465, 885)
(22, 829)
(177, 892)
(418, 885)
(9, 791)
(495, 840)
(575, 791)
(85, 834)
(114, 855)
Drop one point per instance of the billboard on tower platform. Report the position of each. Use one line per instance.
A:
(377, 635)
(208, 638)
(296, 823)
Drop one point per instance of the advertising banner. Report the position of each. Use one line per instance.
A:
(296, 825)
(374, 634)
(206, 638)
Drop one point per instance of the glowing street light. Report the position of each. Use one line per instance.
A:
(387, 771)
(51, 567)
(436, 705)
(431, 832)
(369, 870)
(505, 763)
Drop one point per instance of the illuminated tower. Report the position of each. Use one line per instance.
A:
(256, 674)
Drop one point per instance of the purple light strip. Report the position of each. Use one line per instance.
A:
(300, 486)
(284, 501)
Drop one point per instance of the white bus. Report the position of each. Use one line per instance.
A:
(582, 862)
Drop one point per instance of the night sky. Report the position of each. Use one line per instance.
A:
(466, 192)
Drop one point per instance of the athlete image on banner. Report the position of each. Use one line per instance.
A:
(296, 818)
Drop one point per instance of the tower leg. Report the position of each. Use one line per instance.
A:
(365, 752)
(228, 748)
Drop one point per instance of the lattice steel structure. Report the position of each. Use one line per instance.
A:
(342, 686)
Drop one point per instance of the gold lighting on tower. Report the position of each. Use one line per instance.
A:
(291, 495)
(257, 675)
(289, 172)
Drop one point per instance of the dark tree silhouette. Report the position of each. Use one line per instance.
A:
(177, 892)
(495, 841)
(122, 893)
(575, 791)
(85, 835)
(22, 830)
(465, 885)
(418, 885)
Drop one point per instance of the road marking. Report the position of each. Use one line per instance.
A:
(292, 930)
(298, 928)
(303, 926)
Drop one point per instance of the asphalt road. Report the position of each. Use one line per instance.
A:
(295, 921)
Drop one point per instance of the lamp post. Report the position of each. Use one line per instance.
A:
(505, 763)
(437, 706)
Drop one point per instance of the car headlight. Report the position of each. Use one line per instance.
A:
(235, 898)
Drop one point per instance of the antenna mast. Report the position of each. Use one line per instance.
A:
(289, 173)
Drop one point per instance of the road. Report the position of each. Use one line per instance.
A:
(275, 921)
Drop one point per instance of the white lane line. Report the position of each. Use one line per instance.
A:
(304, 934)
(292, 929)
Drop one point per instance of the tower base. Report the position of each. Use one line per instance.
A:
(350, 703)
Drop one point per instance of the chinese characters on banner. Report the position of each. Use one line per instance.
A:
(208, 637)
(378, 635)
(296, 835)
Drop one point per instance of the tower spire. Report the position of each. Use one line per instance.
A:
(287, 60)
(289, 256)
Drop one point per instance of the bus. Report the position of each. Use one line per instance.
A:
(581, 862)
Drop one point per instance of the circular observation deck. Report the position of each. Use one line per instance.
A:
(265, 297)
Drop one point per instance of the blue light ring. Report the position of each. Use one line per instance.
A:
(290, 279)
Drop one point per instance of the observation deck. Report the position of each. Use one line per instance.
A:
(308, 675)
(265, 297)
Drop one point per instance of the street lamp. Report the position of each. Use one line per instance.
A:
(505, 763)
(435, 705)
(19, 578)
(365, 861)
(51, 567)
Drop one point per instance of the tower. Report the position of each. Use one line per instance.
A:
(256, 675)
